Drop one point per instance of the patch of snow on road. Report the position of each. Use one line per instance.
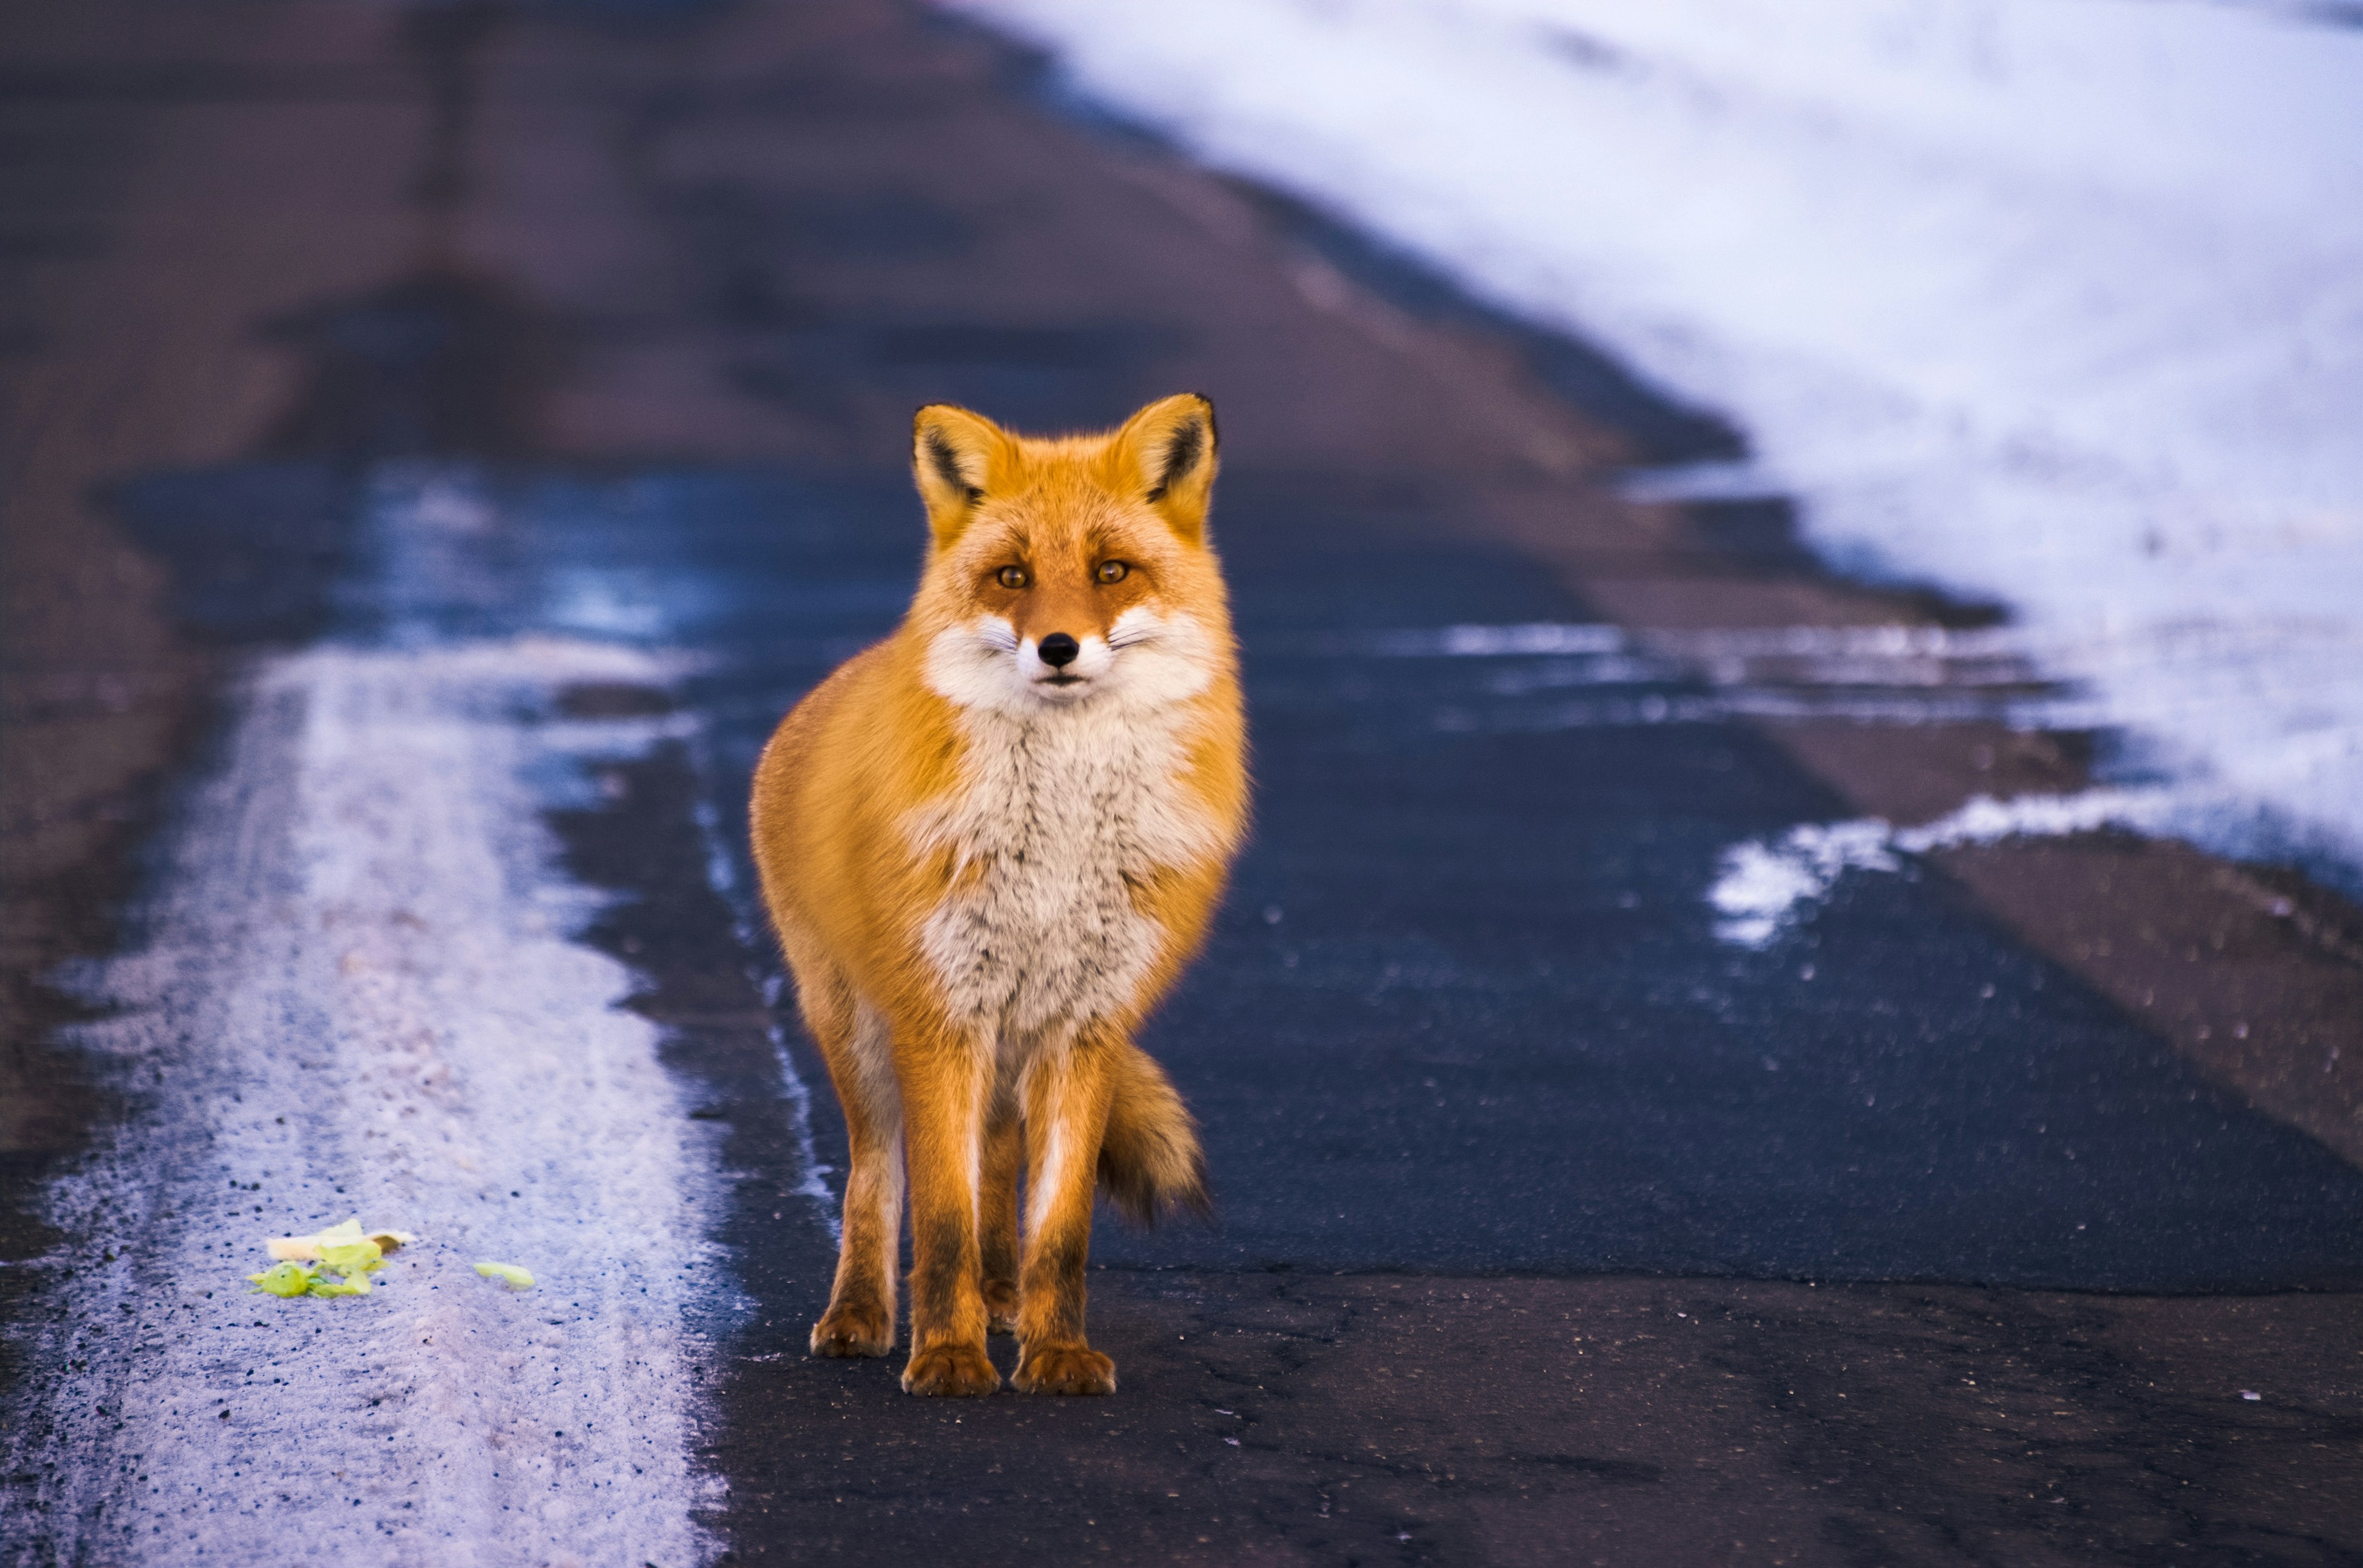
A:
(1871, 674)
(2055, 303)
(1762, 886)
(1494, 641)
(358, 994)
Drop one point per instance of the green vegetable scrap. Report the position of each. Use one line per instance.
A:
(339, 1261)
(283, 1279)
(517, 1278)
(309, 1279)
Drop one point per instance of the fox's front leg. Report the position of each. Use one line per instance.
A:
(1066, 1113)
(1005, 1152)
(944, 1092)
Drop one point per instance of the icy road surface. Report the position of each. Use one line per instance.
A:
(2057, 304)
(358, 980)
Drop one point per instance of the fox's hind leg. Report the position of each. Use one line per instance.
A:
(1066, 1099)
(1005, 1152)
(861, 1316)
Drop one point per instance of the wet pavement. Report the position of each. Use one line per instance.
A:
(1553, 1226)
(1466, 1009)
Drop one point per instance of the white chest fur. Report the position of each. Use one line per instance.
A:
(1057, 814)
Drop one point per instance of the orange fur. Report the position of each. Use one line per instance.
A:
(989, 845)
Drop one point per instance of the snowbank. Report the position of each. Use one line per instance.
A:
(2054, 301)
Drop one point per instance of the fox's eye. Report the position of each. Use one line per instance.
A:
(1113, 572)
(1013, 577)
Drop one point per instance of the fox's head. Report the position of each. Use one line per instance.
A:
(1073, 570)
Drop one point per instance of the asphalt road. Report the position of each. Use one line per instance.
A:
(1553, 1227)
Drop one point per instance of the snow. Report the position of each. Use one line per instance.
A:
(1763, 884)
(1765, 887)
(407, 1033)
(1879, 675)
(2057, 302)
(358, 991)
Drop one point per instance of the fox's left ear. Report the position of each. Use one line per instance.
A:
(1167, 451)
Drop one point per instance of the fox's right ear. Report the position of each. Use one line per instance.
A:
(954, 454)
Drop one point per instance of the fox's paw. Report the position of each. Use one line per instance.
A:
(1064, 1369)
(1000, 1306)
(950, 1369)
(851, 1331)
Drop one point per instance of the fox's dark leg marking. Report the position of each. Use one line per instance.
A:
(1057, 1270)
(1066, 1113)
(1004, 1152)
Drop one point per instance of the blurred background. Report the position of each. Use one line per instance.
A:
(1796, 991)
(2056, 305)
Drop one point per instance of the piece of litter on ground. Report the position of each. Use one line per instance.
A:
(335, 1262)
(2250, 1394)
(286, 1278)
(306, 1249)
(516, 1278)
(290, 1279)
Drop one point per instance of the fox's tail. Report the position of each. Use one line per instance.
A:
(1149, 1158)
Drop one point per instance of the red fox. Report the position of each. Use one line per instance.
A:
(989, 845)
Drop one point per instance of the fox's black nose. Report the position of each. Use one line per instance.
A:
(1058, 649)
